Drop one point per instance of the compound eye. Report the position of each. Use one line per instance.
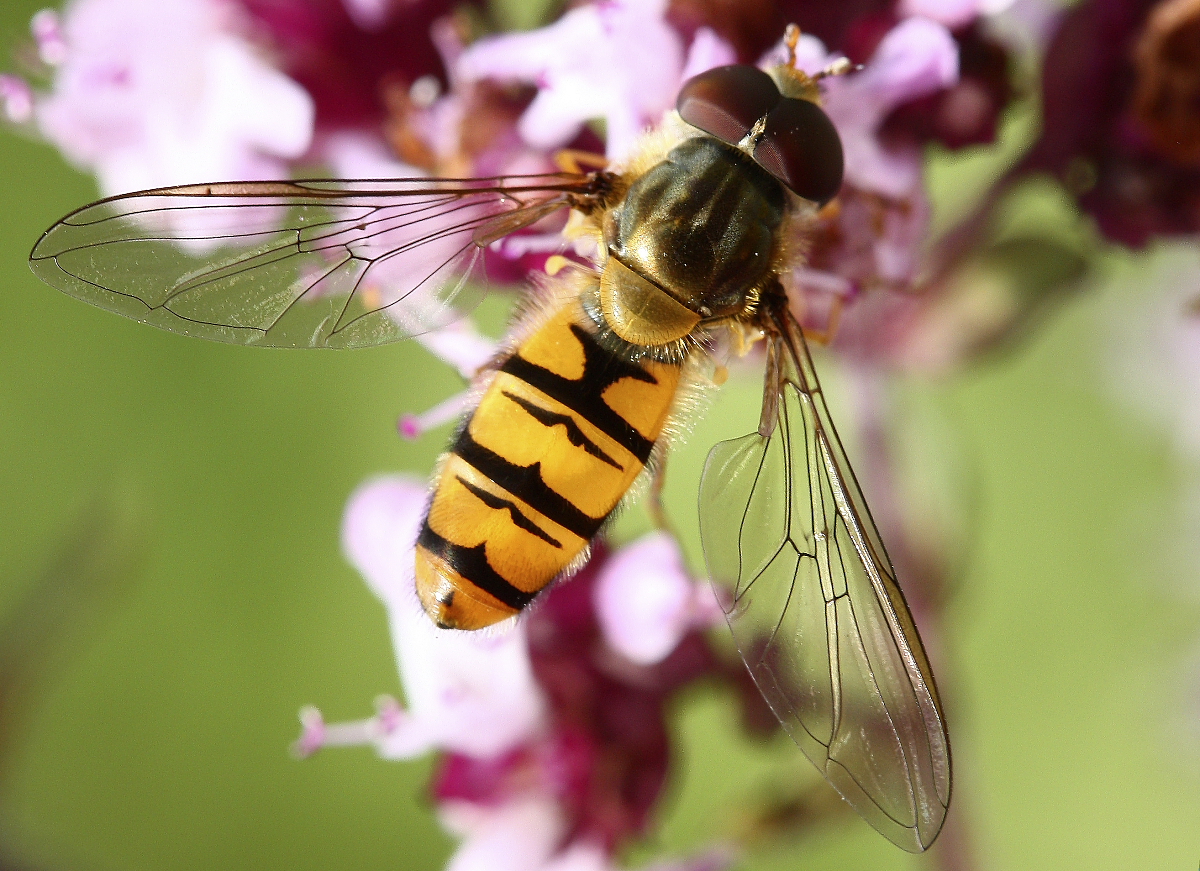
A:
(726, 101)
(801, 148)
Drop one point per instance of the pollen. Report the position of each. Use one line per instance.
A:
(556, 263)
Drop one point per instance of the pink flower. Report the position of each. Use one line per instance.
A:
(17, 98)
(352, 56)
(46, 28)
(952, 13)
(646, 602)
(916, 58)
(869, 243)
(158, 92)
(873, 239)
(525, 835)
(553, 728)
(1121, 128)
(707, 51)
(358, 155)
(619, 61)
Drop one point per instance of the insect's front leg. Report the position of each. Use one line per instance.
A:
(833, 320)
(581, 162)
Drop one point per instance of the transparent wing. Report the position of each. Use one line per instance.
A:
(294, 264)
(816, 612)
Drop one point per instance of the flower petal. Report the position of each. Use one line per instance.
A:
(952, 13)
(581, 856)
(157, 92)
(520, 835)
(620, 61)
(915, 58)
(645, 599)
(473, 692)
(707, 51)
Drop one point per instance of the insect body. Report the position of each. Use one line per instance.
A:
(697, 235)
(560, 435)
(573, 415)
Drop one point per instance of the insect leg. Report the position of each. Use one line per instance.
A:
(772, 380)
(656, 508)
(574, 160)
(832, 321)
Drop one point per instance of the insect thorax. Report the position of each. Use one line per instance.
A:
(692, 242)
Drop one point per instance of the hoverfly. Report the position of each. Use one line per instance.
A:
(696, 234)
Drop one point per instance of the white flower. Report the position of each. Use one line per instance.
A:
(467, 692)
(518, 835)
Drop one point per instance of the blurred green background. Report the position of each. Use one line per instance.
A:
(200, 488)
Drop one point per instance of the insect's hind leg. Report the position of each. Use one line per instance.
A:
(655, 507)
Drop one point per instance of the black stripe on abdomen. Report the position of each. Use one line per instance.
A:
(515, 514)
(473, 565)
(575, 435)
(526, 483)
(585, 395)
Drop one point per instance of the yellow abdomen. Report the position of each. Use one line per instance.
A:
(558, 438)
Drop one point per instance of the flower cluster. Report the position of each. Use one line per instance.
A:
(552, 730)
(145, 94)
(148, 93)
(552, 733)
(1120, 127)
